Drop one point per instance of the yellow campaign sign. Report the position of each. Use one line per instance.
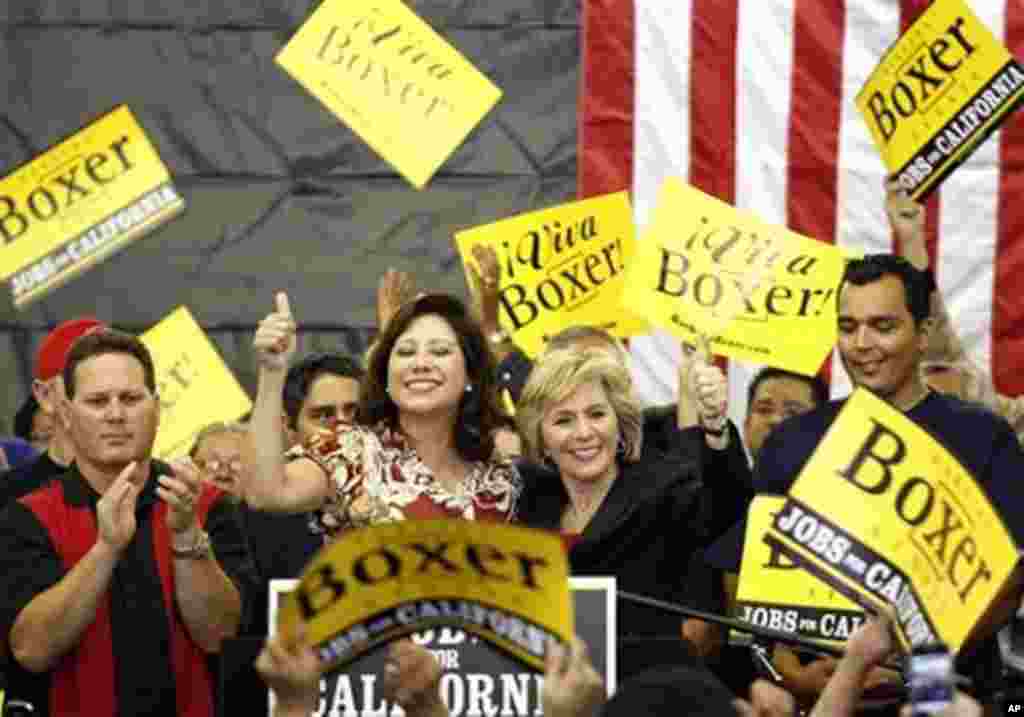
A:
(385, 73)
(775, 593)
(194, 385)
(884, 513)
(938, 92)
(560, 267)
(506, 583)
(760, 292)
(79, 202)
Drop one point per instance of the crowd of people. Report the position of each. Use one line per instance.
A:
(123, 577)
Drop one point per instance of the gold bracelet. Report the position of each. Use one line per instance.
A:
(200, 550)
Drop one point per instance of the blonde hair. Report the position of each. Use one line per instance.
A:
(561, 372)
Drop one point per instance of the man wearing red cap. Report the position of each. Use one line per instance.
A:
(48, 389)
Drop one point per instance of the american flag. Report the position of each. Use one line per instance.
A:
(752, 101)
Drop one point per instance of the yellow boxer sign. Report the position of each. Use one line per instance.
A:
(761, 293)
(79, 202)
(884, 513)
(940, 90)
(560, 267)
(194, 386)
(505, 583)
(398, 84)
(773, 592)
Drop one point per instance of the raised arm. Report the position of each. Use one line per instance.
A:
(486, 275)
(866, 649)
(726, 473)
(394, 290)
(703, 395)
(944, 348)
(274, 485)
(907, 221)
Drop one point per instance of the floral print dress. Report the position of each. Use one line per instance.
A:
(377, 477)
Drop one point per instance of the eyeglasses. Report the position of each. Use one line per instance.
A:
(214, 466)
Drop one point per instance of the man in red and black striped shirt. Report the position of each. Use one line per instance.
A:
(120, 575)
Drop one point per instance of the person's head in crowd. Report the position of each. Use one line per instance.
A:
(883, 326)
(508, 444)
(584, 337)
(430, 364)
(320, 390)
(955, 378)
(220, 452)
(111, 413)
(671, 691)
(48, 379)
(578, 413)
(944, 377)
(34, 425)
(775, 395)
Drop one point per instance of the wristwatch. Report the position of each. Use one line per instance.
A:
(200, 550)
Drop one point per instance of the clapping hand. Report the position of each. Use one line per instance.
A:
(115, 511)
(181, 492)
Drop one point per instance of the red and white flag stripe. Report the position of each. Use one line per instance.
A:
(753, 101)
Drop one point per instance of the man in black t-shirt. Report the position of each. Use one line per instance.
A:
(883, 332)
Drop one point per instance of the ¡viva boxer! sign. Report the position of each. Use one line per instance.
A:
(398, 84)
(759, 292)
(561, 267)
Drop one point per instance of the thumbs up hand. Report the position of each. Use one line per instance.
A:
(704, 385)
(275, 336)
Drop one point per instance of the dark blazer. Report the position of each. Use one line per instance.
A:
(727, 472)
(649, 526)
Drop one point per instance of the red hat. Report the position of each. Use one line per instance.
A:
(53, 352)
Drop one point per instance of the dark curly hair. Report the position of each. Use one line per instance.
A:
(479, 411)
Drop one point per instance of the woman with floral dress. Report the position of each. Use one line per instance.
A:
(422, 443)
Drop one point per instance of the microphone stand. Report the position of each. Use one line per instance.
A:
(758, 633)
(762, 637)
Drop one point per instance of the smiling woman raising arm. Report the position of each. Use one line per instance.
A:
(422, 442)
